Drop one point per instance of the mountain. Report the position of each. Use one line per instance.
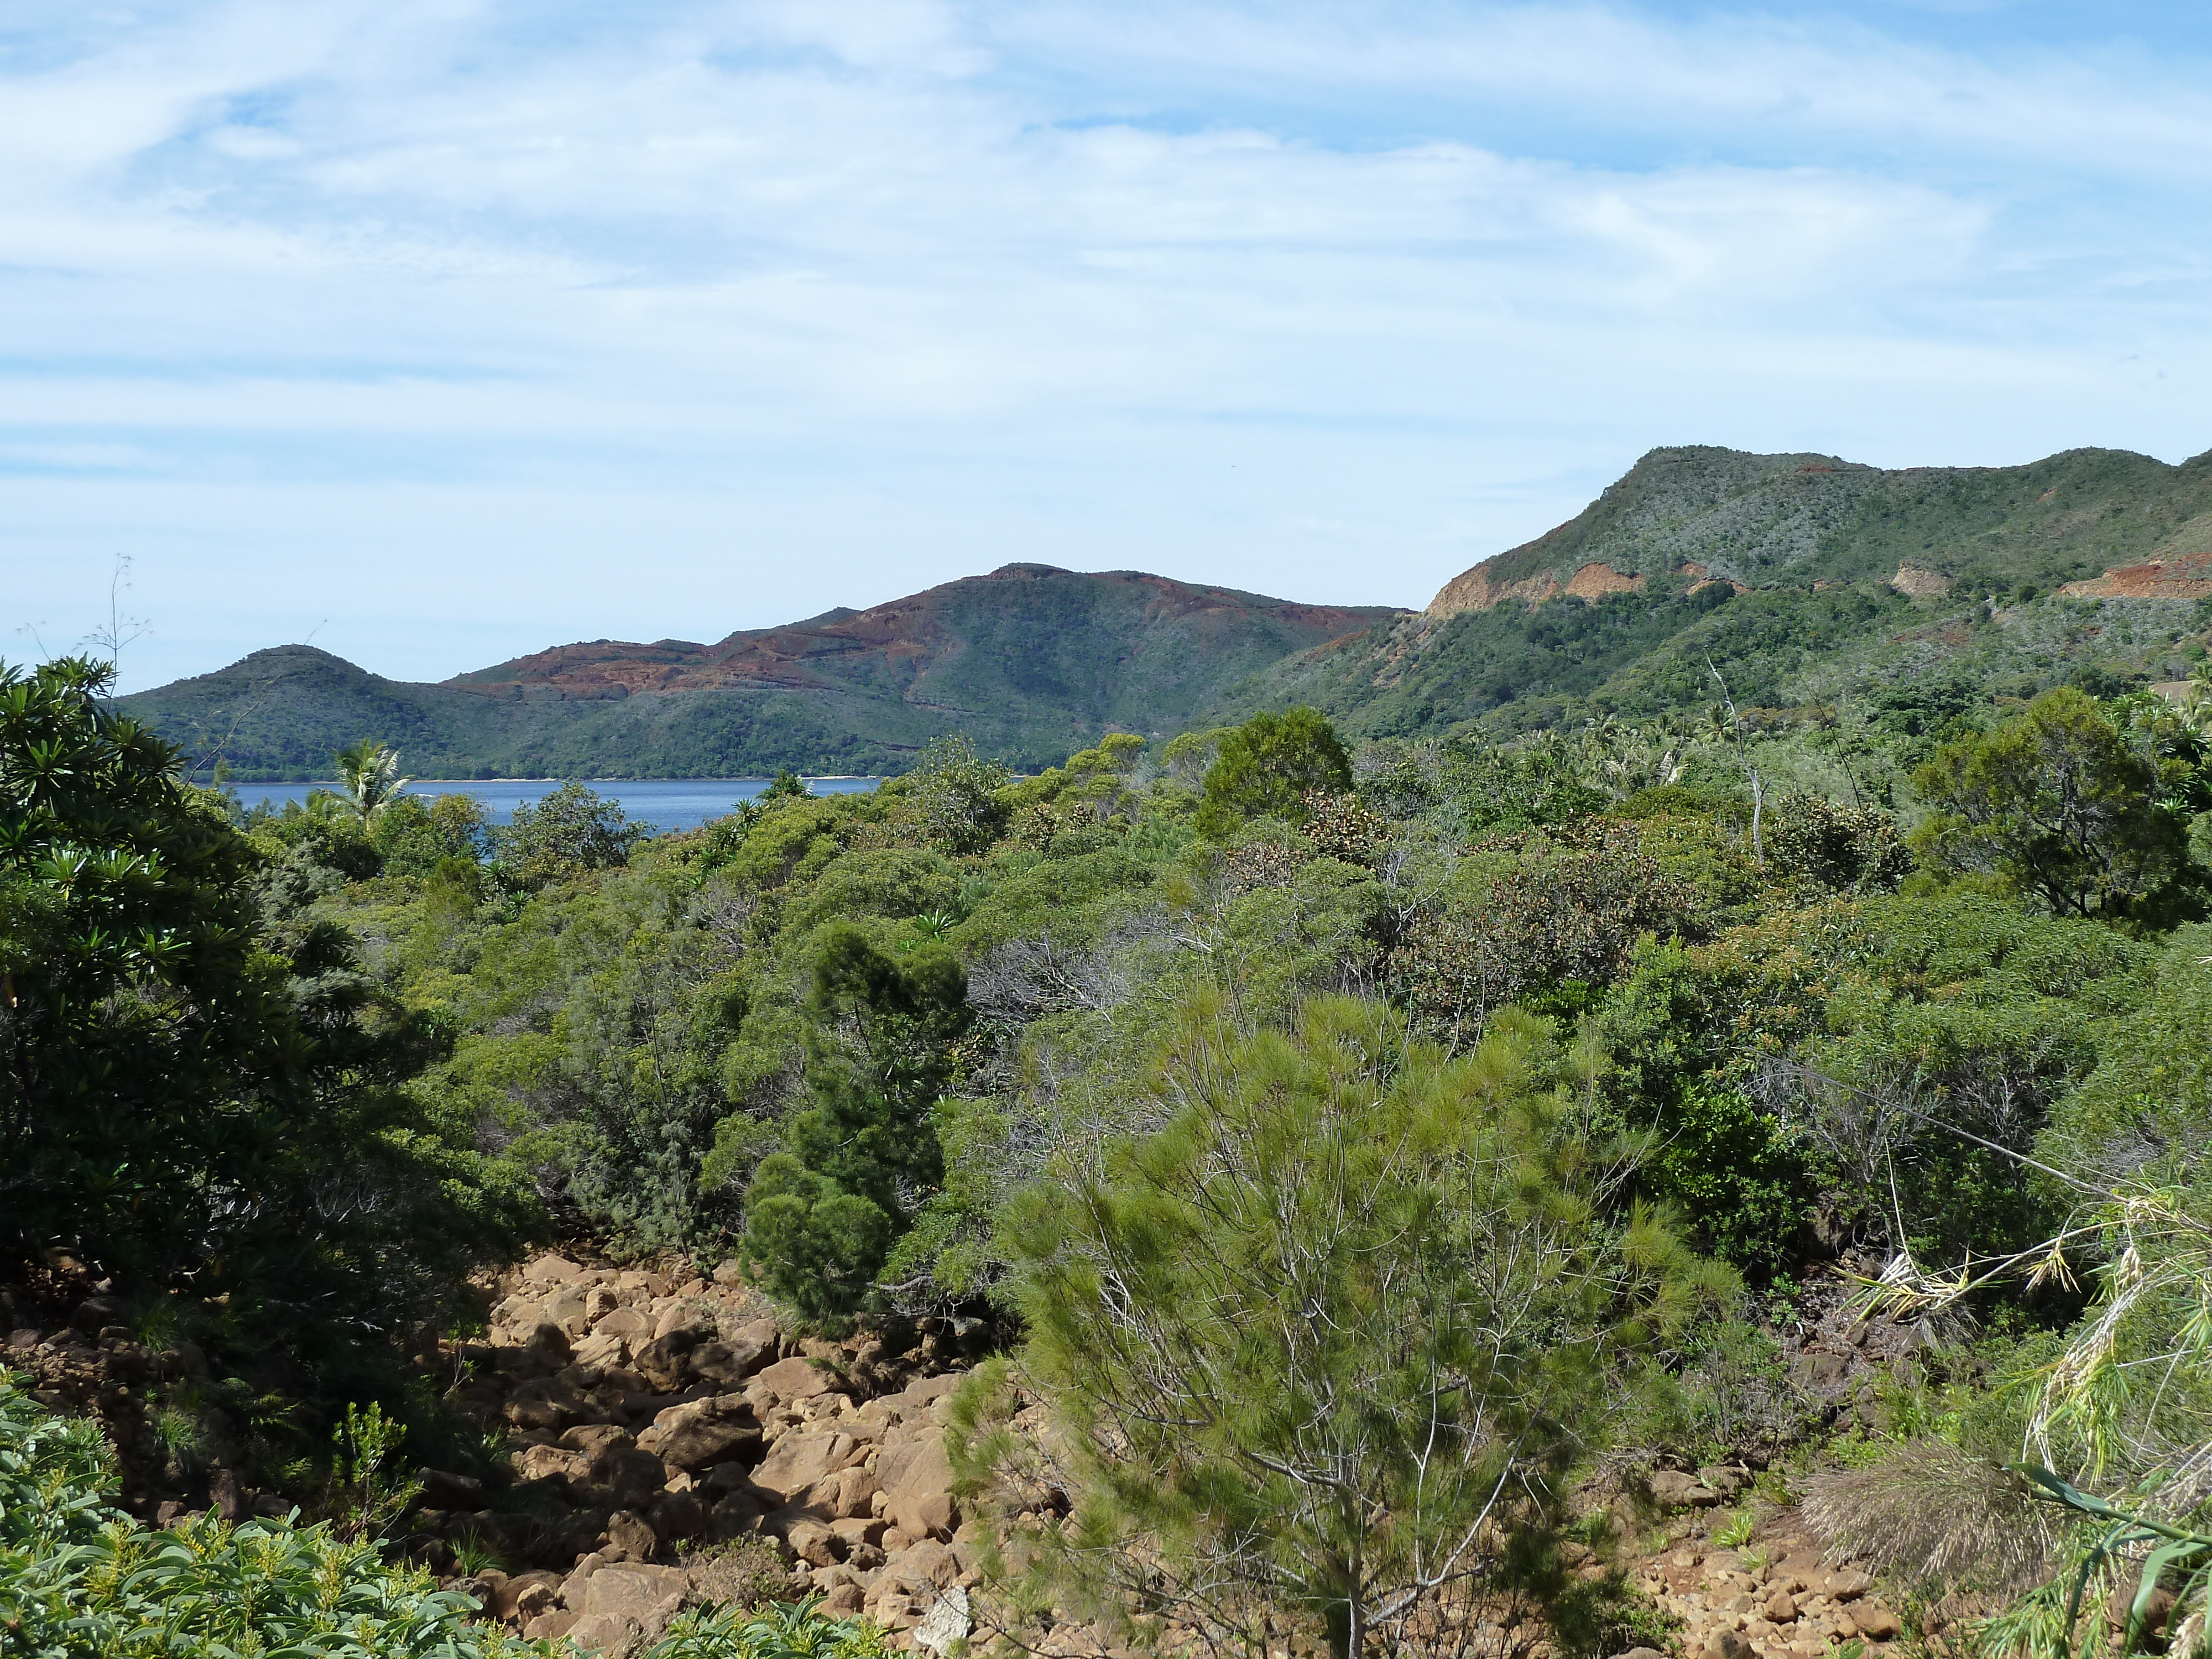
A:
(1798, 577)
(1029, 661)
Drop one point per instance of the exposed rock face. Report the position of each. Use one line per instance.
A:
(1920, 583)
(1473, 590)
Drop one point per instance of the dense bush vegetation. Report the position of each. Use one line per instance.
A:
(975, 1044)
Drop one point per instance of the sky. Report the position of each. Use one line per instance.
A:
(436, 331)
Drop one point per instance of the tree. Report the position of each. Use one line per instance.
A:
(957, 792)
(187, 1084)
(823, 1214)
(2057, 800)
(1350, 1302)
(1270, 764)
(369, 779)
(570, 831)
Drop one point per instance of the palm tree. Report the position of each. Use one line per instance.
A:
(369, 778)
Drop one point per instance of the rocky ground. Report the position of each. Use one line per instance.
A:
(666, 1444)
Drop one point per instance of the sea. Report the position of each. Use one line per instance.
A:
(666, 804)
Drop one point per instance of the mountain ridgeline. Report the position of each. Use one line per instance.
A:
(1801, 578)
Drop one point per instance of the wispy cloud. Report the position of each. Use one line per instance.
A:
(682, 317)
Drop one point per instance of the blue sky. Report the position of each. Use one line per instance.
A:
(437, 331)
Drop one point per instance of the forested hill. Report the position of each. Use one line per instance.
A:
(1029, 661)
(1804, 579)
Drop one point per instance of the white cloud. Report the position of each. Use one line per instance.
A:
(569, 321)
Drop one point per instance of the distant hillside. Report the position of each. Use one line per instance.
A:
(1800, 577)
(1029, 661)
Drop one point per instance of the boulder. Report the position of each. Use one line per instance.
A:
(731, 1275)
(602, 1351)
(628, 1477)
(548, 1404)
(797, 1462)
(812, 1542)
(726, 1365)
(550, 1626)
(796, 1378)
(676, 1515)
(631, 1534)
(592, 1439)
(550, 1269)
(628, 1323)
(551, 1463)
(1671, 1489)
(946, 1625)
(1876, 1623)
(1781, 1607)
(1728, 1644)
(442, 1490)
(661, 1361)
(916, 1478)
(732, 1517)
(1846, 1584)
(706, 1433)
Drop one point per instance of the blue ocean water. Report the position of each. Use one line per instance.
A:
(666, 804)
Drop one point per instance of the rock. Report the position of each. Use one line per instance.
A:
(797, 1379)
(628, 1477)
(1641, 1653)
(1781, 1607)
(565, 1308)
(684, 1316)
(1728, 1644)
(676, 1515)
(1847, 1584)
(726, 1364)
(628, 1323)
(602, 1351)
(552, 1463)
(444, 1491)
(592, 1439)
(552, 1269)
(603, 1633)
(949, 1621)
(710, 1432)
(635, 1590)
(661, 1362)
(1876, 1623)
(548, 1405)
(572, 1587)
(732, 1517)
(632, 1536)
(856, 1491)
(1671, 1489)
(845, 1599)
(813, 1542)
(1728, 1482)
(549, 1627)
(916, 1478)
(797, 1462)
(97, 1313)
(731, 1275)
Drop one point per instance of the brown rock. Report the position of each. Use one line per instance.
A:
(916, 1477)
(661, 1362)
(631, 1536)
(814, 1543)
(797, 1462)
(797, 1379)
(677, 1514)
(633, 1589)
(731, 1275)
(628, 1477)
(1781, 1607)
(845, 1599)
(548, 1405)
(628, 1323)
(603, 1633)
(602, 1351)
(552, 1269)
(592, 1439)
(551, 1462)
(1672, 1489)
(732, 1517)
(726, 1364)
(1847, 1584)
(550, 1626)
(855, 1493)
(1728, 1644)
(712, 1432)
(1875, 1622)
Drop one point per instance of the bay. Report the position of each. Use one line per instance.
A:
(667, 804)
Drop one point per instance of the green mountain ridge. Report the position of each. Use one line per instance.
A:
(1800, 578)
